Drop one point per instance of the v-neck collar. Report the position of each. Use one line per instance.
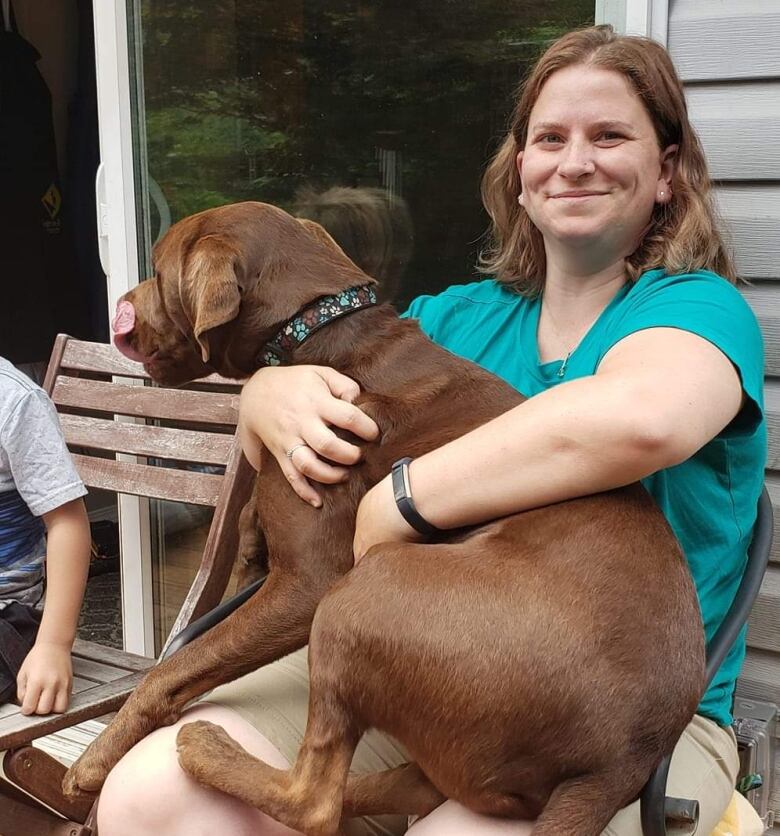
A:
(547, 373)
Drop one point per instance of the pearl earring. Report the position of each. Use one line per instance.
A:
(520, 199)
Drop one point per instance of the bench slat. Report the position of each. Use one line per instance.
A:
(110, 656)
(17, 729)
(80, 684)
(103, 358)
(145, 480)
(96, 672)
(144, 440)
(146, 401)
(99, 357)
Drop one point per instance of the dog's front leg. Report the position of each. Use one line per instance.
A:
(274, 622)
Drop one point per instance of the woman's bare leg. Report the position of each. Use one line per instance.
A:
(148, 792)
(453, 818)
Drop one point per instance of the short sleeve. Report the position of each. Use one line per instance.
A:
(41, 466)
(705, 304)
(446, 317)
(433, 313)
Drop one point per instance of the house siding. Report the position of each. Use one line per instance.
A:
(727, 54)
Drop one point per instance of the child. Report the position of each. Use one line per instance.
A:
(37, 556)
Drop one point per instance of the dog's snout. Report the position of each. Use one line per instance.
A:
(124, 318)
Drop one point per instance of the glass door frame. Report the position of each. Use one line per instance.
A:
(118, 246)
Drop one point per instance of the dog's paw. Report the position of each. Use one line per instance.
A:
(85, 777)
(205, 749)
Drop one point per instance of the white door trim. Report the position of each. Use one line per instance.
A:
(117, 233)
(636, 17)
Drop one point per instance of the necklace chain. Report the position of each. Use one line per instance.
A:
(564, 364)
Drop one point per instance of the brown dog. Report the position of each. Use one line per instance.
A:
(536, 666)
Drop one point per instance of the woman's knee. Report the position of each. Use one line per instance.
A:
(142, 787)
(147, 791)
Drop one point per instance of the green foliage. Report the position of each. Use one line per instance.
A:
(252, 99)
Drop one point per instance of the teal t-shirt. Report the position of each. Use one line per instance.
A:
(709, 500)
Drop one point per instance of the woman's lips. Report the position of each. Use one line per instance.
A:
(578, 195)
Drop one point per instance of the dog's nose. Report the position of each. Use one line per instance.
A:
(124, 318)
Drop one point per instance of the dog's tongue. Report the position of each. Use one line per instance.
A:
(124, 318)
(122, 325)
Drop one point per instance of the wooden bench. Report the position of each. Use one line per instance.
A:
(108, 408)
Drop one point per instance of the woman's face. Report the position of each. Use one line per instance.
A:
(591, 169)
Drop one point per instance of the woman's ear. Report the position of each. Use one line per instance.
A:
(663, 189)
(519, 166)
(668, 165)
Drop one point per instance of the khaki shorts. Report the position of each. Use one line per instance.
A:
(275, 699)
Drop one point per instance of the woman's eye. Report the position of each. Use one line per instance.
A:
(550, 138)
(610, 136)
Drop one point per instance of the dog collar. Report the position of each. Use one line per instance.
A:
(312, 318)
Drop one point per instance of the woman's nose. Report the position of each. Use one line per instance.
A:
(577, 161)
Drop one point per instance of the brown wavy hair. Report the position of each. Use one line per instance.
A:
(683, 234)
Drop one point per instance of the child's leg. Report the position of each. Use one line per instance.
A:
(18, 628)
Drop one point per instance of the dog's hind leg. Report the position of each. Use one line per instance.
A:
(404, 790)
(584, 806)
(308, 797)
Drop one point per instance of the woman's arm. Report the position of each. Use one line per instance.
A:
(45, 678)
(659, 395)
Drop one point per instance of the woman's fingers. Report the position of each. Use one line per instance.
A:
(298, 482)
(303, 411)
(307, 461)
(351, 418)
(340, 385)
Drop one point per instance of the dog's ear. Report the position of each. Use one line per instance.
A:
(209, 288)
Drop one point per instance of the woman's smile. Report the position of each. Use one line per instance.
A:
(576, 195)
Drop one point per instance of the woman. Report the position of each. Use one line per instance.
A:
(614, 307)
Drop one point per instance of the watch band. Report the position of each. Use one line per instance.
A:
(402, 492)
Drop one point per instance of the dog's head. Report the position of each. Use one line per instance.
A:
(225, 281)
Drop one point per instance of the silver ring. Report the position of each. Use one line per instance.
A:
(289, 453)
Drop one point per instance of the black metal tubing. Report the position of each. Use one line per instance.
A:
(211, 618)
(653, 801)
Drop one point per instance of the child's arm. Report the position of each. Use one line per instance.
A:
(45, 678)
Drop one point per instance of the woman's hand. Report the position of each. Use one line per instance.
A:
(290, 410)
(380, 521)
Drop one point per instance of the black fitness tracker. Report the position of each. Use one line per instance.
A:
(402, 492)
